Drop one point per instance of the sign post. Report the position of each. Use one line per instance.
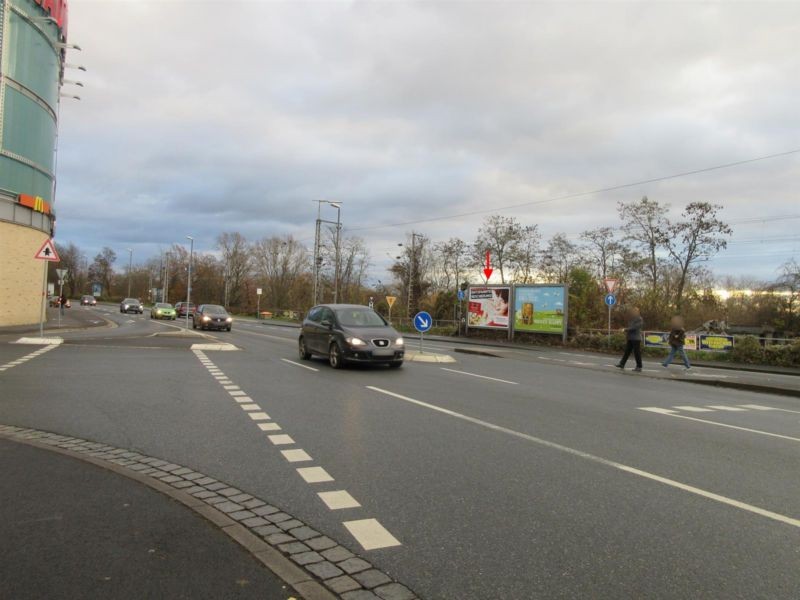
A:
(258, 303)
(46, 253)
(62, 275)
(610, 301)
(422, 323)
(390, 300)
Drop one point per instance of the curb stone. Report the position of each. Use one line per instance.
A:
(316, 566)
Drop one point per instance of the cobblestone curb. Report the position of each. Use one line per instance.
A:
(316, 566)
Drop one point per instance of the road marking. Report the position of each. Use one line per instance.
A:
(22, 360)
(728, 408)
(250, 407)
(296, 455)
(218, 347)
(231, 387)
(371, 534)
(759, 407)
(244, 399)
(224, 381)
(297, 364)
(269, 427)
(480, 376)
(604, 461)
(692, 409)
(37, 341)
(236, 393)
(281, 439)
(748, 429)
(655, 409)
(259, 416)
(314, 474)
(338, 500)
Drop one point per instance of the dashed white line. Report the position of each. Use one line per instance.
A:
(603, 461)
(243, 399)
(235, 393)
(258, 416)
(231, 387)
(250, 407)
(338, 500)
(727, 408)
(759, 407)
(371, 534)
(480, 376)
(269, 427)
(281, 439)
(314, 474)
(296, 455)
(692, 409)
(297, 364)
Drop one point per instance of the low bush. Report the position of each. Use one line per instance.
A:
(747, 350)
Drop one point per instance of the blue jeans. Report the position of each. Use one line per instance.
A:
(672, 352)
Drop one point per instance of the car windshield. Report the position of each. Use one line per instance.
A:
(130, 301)
(214, 309)
(359, 317)
(163, 305)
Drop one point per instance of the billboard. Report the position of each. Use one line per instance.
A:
(488, 306)
(660, 339)
(539, 308)
(716, 343)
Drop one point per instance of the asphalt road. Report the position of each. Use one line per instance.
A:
(529, 476)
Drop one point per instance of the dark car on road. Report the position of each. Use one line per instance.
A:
(184, 308)
(131, 305)
(88, 301)
(211, 316)
(350, 333)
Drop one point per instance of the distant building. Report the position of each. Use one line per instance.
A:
(32, 38)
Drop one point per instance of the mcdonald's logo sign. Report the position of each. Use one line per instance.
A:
(36, 203)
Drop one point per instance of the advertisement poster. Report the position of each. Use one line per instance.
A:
(716, 343)
(660, 339)
(539, 308)
(489, 307)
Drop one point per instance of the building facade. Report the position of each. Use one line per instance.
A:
(32, 49)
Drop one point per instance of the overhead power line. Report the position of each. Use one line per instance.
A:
(579, 194)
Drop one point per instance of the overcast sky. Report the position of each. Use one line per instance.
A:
(206, 116)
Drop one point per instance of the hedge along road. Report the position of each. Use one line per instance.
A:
(479, 512)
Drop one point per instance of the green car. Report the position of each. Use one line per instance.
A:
(162, 310)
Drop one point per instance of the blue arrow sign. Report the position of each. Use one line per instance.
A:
(610, 300)
(461, 295)
(422, 321)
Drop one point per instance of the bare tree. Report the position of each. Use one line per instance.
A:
(525, 255)
(560, 256)
(645, 224)
(452, 257)
(236, 260)
(73, 259)
(280, 261)
(789, 284)
(696, 238)
(603, 249)
(102, 269)
(501, 237)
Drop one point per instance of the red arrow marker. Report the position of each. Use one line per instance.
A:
(488, 270)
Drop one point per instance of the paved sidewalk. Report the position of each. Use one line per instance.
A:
(73, 318)
(69, 529)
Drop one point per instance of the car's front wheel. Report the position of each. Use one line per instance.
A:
(301, 346)
(335, 356)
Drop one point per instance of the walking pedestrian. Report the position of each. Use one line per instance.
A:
(677, 340)
(633, 337)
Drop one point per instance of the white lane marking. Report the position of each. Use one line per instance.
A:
(269, 427)
(224, 381)
(231, 387)
(250, 407)
(314, 474)
(479, 376)
(338, 500)
(604, 461)
(694, 374)
(759, 407)
(371, 534)
(235, 393)
(692, 409)
(27, 357)
(219, 347)
(244, 399)
(655, 409)
(728, 408)
(296, 455)
(544, 357)
(259, 416)
(40, 341)
(281, 439)
(297, 364)
(748, 429)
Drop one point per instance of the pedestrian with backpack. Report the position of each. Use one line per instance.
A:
(677, 340)
(633, 337)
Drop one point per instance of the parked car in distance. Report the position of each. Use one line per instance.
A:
(162, 310)
(211, 316)
(350, 333)
(131, 305)
(182, 308)
(55, 302)
(88, 301)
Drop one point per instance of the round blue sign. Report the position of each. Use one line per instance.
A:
(422, 321)
(611, 299)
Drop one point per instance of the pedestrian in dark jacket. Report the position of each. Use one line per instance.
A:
(633, 337)
(677, 339)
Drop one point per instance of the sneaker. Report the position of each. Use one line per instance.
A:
(637, 370)
(620, 366)
(665, 366)
(687, 369)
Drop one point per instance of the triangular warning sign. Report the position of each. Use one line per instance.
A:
(47, 251)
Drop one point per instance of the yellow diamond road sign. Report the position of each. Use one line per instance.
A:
(390, 300)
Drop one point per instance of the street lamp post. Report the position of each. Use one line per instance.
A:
(318, 247)
(130, 265)
(189, 280)
(337, 254)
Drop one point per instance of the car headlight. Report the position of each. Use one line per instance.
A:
(354, 341)
(127, 307)
(229, 320)
(206, 318)
(158, 312)
(399, 342)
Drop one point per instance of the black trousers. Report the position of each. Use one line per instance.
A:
(634, 346)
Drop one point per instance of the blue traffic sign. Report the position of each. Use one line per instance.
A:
(422, 321)
(611, 300)
(461, 295)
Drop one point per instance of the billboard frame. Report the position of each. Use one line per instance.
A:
(510, 288)
(565, 326)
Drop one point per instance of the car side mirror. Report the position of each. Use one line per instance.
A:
(327, 323)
